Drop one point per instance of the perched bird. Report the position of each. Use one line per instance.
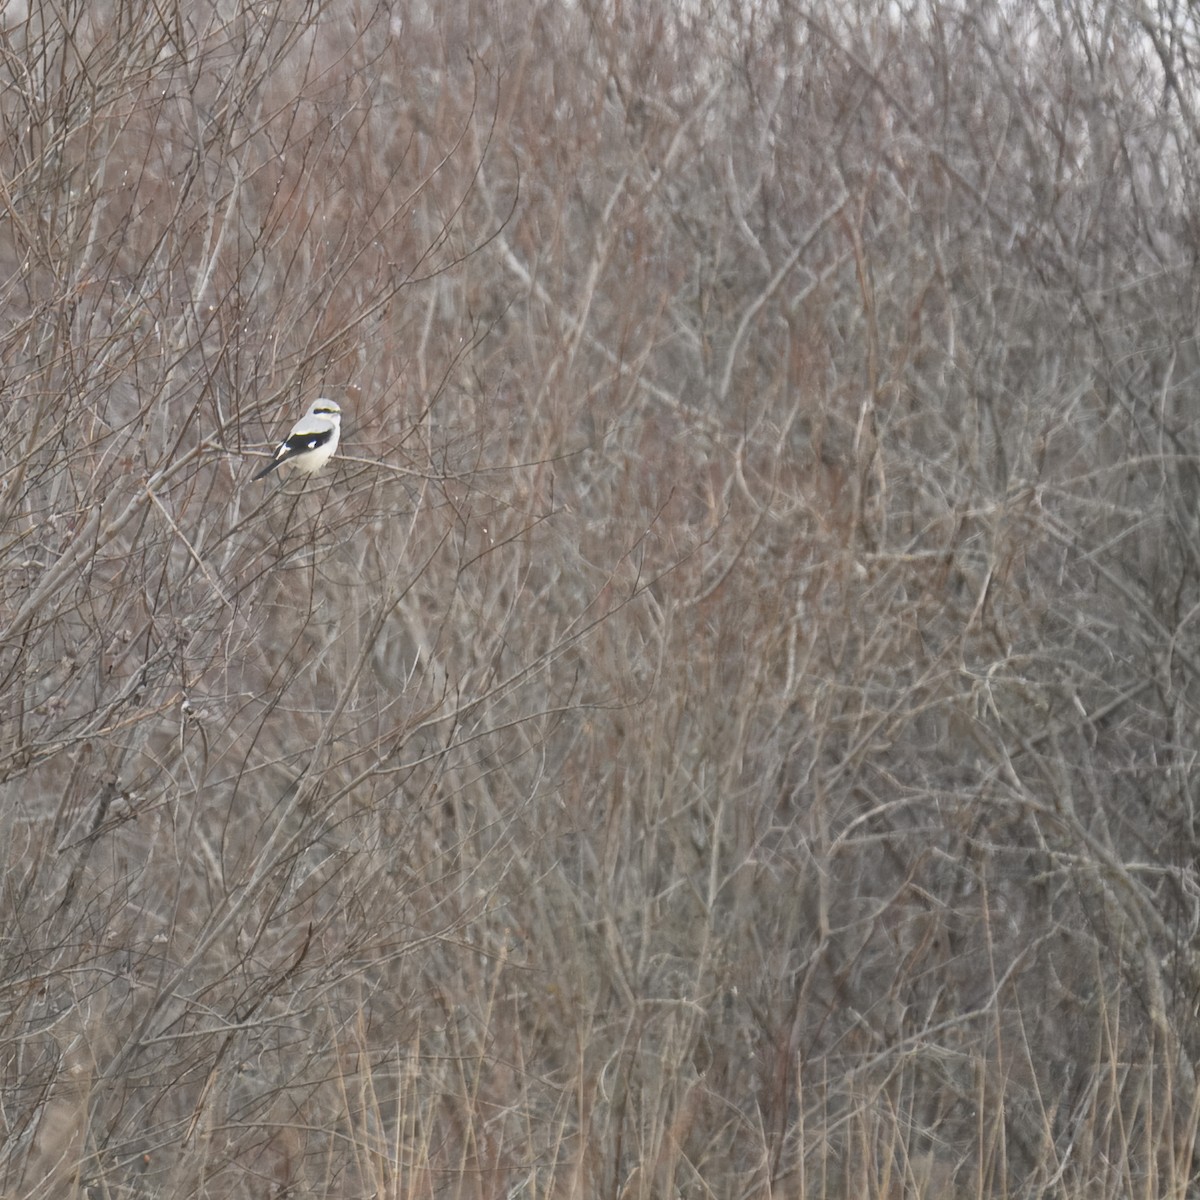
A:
(312, 441)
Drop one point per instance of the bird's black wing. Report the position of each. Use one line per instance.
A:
(296, 443)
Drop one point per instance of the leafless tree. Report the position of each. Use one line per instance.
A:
(725, 722)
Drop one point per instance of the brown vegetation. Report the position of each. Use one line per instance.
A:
(724, 724)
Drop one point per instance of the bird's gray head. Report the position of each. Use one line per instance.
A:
(325, 408)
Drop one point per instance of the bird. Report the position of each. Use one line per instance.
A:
(312, 441)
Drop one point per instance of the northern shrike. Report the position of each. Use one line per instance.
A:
(312, 441)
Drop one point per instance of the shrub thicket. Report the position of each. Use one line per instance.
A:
(724, 725)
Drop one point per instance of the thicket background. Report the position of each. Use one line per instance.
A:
(726, 724)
